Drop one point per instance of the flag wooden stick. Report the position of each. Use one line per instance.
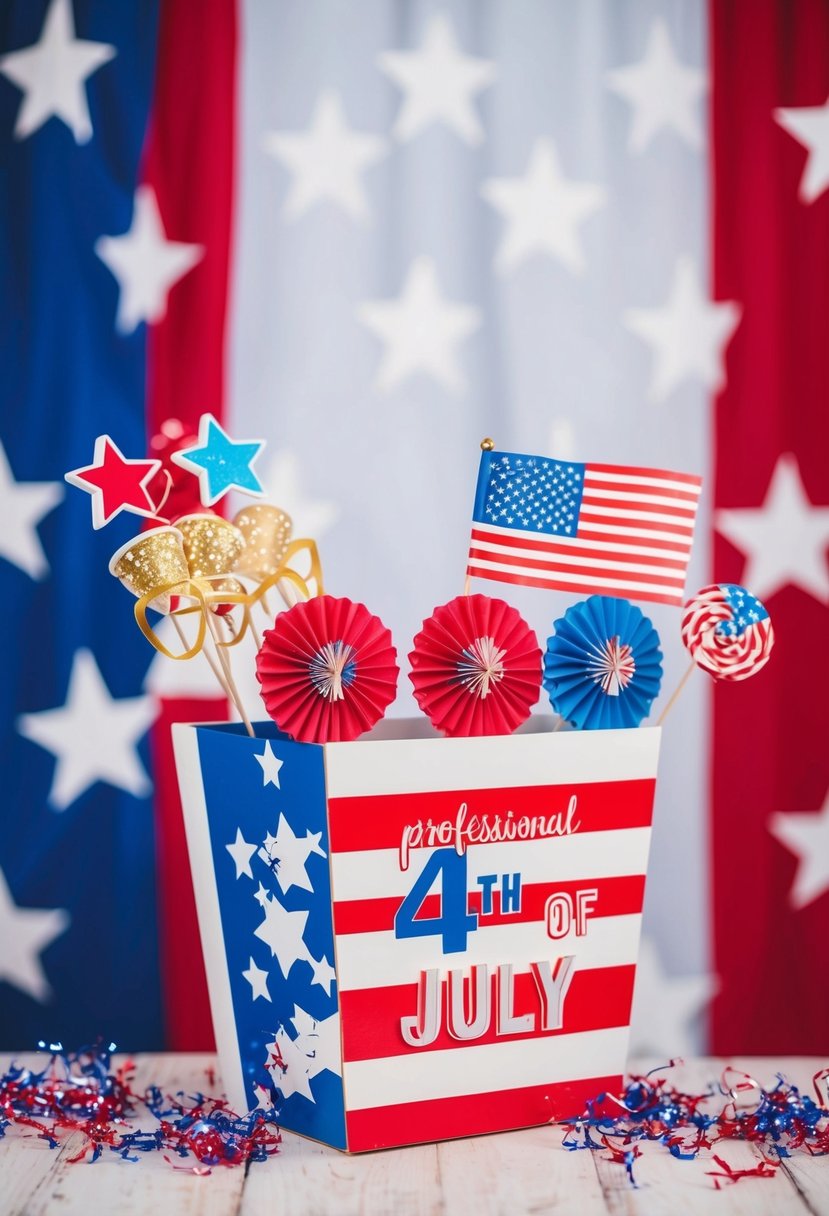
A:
(676, 693)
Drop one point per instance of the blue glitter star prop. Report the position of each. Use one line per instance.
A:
(221, 463)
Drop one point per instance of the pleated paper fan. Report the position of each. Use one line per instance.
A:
(328, 670)
(603, 665)
(476, 667)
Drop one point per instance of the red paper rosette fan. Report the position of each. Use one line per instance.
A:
(476, 667)
(328, 670)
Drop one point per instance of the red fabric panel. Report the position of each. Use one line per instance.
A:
(190, 164)
(771, 254)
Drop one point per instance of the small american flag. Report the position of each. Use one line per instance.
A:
(591, 528)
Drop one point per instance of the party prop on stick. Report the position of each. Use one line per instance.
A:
(727, 632)
(212, 547)
(116, 483)
(603, 665)
(328, 670)
(476, 667)
(272, 558)
(221, 463)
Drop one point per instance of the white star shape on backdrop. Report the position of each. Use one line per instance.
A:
(291, 852)
(784, 540)
(806, 835)
(270, 766)
(664, 92)
(319, 1040)
(421, 330)
(283, 931)
(667, 1009)
(24, 935)
(323, 973)
(543, 210)
(326, 161)
(809, 125)
(23, 504)
(688, 334)
(439, 82)
(145, 263)
(258, 980)
(52, 74)
(93, 736)
(241, 852)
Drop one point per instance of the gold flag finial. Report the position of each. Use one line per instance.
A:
(487, 444)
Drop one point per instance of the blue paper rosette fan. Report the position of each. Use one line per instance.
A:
(603, 665)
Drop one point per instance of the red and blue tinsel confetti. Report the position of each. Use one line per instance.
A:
(779, 1121)
(78, 1092)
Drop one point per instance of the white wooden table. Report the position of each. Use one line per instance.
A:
(519, 1172)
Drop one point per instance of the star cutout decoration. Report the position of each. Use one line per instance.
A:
(241, 852)
(145, 263)
(323, 973)
(543, 211)
(294, 1077)
(270, 766)
(283, 931)
(23, 504)
(326, 160)
(52, 74)
(664, 92)
(24, 935)
(784, 540)
(319, 1040)
(262, 895)
(809, 125)
(806, 835)
(439, 83)
(688, 334)
(258, 980)
(93, 736)
(221, 463)
(287, 853)
(421, 330)
(667, 1010)
(115, 483)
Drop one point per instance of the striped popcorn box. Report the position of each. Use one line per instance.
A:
(411, 938)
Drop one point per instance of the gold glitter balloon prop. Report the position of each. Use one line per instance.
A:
(150, 561)
(212, 547)
(267, 532)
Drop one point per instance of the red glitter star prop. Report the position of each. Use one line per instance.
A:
(115, 483)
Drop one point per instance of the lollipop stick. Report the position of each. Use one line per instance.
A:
(210, 661)
(676, 693)
(231, 683)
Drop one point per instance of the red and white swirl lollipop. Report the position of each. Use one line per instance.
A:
(727, 631)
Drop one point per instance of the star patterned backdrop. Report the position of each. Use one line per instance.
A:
(370, 242)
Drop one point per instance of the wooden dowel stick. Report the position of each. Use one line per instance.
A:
(210, 662)
(676, 693)
(231, 683)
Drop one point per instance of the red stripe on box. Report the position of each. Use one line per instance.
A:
(558, 584)
(472, 1114)
(376, 821)
(616, 897)
(370, 1017)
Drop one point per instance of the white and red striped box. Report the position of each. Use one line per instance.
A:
(413, 938)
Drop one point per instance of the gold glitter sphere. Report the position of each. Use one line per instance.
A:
(153, 559)
(212, 546)
(267, 532)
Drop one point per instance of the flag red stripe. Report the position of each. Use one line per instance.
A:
(377, 821)
(552, 584)
(620, 521)
(690, 479)
(625, 504)
(565, 551)
(597, 999)
(678, 549)
(563, 567)
(642, 487)
(471, 1115)
(616, 897)
(189, 162)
